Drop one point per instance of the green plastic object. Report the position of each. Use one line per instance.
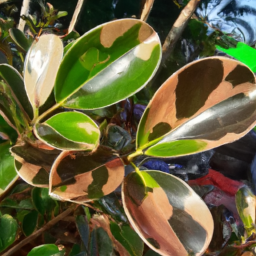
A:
(243, 53)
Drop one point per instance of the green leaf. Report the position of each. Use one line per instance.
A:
(43, 203)
(83, 228)
(105, 246)
(15, 81)
(11, 203)
(40, 68)
(8, 227)
(128, 238)
(19, 39)
(245, 204)
(243, 53)
(8, 174)
(69, 131)
(108, 64)
(200, 95)
(81, 176)
(169, 211)
(29, 223)
(46, 250)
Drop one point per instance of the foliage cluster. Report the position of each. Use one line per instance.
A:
(71, 127)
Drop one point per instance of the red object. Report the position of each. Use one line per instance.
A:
(217, 179)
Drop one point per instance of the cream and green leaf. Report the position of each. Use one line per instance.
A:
(40, 69)
(108, 64)
(69, 131)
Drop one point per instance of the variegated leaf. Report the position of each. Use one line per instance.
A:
(81, 176)
(69, 131)
(8, 174)
(33, 163)
(167, 214)
(205, 104)
(40, 68)
(108, 64)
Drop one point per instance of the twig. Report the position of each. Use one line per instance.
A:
(177, 29)
(147, 6)
(75, 15)
(24, 11)
(40, 231)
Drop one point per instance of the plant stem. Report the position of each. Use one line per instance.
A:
(47, 112)
(146, 8)
(178, 28)
(75, 15)
(133, 155)
(40, 231)
(137, 170)
(24, 11)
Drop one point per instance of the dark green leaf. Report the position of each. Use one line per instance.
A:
(83, 228)
(12, 77)
(19, 38)
(43, 203)
(29, 222)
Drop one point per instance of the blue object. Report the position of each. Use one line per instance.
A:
(157, 165)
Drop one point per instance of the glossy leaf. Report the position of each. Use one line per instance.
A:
(8, 227)
(108, 64)
(12, 77)
(8, 174)
(19, 39)
(193, 110)
(167, 214)
(40, 68)
(46, 250)
(69, 131)
(81, 176)
(33, 163)
(245, 204)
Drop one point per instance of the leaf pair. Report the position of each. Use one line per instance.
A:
(104, 66)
